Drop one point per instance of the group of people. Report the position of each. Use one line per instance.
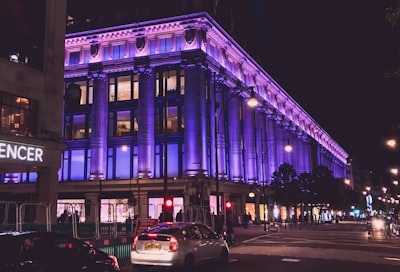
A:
(66, 218)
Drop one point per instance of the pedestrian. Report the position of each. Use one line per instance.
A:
(76, 216)
(161, 217)
(179, 216)
(219, 223)
(63, 217)
(229, 230)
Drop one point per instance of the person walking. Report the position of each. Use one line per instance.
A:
(229, 230)
(179, 216)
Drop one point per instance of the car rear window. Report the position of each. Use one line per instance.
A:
(164, 230)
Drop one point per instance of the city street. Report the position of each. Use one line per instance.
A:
(327, 247)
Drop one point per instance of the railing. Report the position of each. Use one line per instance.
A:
(112, 237)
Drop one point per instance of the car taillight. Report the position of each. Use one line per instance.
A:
(134, 242)
(152, 235)
(173, 244)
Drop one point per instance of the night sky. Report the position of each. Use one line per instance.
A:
(330, 56)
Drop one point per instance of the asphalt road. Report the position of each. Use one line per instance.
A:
(344, 246)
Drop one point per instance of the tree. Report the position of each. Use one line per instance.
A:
(328, 190)
(285, 186)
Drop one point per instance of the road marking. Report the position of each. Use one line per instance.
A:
(290, 260)
(392, 258)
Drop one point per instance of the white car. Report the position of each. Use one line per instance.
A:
(178, 244)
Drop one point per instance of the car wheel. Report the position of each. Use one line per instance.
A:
(224, 258)
(188, 264)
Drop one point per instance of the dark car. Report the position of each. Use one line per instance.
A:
(51, 252)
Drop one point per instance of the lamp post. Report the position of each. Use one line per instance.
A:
(216, 105)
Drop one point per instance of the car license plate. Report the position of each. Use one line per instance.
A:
(152, 246)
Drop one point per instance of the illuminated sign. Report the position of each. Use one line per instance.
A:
(20, 152)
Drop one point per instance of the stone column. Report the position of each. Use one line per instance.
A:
(235, 136)
(270, 148)
(146, 123)
(91, 207)
(220, 126)
(98, 139)
(249, 140)
(195, 120)
(47, 190)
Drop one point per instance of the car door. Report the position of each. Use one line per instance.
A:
(197, 245)
(209, 243)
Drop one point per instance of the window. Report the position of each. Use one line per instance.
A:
(123, 88)
(18, 115)
(165, 45)
(123, 123)
(132, 49)
(77, 164)
(178, 43)
(118, 51)
(86, 56)
(78, 127)
(153, 46)
(168, 80)
(172, 123)
(106, 53)
(84, 91)
(111, 89)
(74, 57)
(182, 82)
(135, 84)
(120, 88)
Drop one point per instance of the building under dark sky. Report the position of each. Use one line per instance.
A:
(329, 56)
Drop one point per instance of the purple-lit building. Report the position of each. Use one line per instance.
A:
(163, 111)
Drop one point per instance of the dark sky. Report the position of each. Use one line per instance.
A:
(330, 56)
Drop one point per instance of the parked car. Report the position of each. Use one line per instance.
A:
(178, 244)
(35, 251)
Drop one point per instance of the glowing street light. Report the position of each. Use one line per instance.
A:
(392, 143)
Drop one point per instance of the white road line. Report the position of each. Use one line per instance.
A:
(392, 258)
(290, 260)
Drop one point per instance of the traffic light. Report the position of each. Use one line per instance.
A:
(168, 208)
(228, 206)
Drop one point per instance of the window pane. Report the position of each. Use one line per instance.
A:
(82, 85)
(173, 160)
(74, 57)
(124, 88)
(135, 87)
(77, 164)
(110, 164)
(78, 127)
(172, 123)
(171, 80)
(111, 90)
(105, 53)
(123, 162)
(123, 123)
(132, 48)
(182, 81)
